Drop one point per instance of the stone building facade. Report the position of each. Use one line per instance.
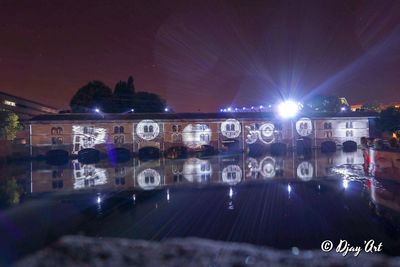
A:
(223, 131)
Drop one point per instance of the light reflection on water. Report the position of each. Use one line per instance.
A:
(229, 170)
(272, 201)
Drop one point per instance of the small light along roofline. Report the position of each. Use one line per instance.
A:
(190, 116)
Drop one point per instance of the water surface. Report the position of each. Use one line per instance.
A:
(282, 202)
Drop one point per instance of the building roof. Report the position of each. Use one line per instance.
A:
(186, 116)
(27, 100)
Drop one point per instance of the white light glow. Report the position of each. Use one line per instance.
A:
(345, 184)
(288, 109)
(97, 110)
(9, 103)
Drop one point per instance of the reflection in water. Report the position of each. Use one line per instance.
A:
(305, 171)
(149, 179)
(265, 200)
(197, 170)
(88, 175)
(386, 194)
(267, 167)
(232, 174)
(229, 170)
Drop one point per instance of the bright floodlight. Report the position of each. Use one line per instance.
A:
(96, 110)
(166, 109)
(288, 109)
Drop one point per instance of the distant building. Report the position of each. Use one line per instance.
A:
(25, 109)
(393, 104)
(356, 107)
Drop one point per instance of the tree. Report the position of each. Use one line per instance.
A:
(97, 95)
(389, 120)
(322, 103)
(123, 96)
(10, 193)
(9, 125)
(145, 102)
(91, 96)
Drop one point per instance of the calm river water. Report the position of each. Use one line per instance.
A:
(282, 202)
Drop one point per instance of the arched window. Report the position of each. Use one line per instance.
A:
(174, 128)
(327, 125)
(116, 129)
(151, 128)
(328, 134)
(121, 129)
(232, 127)
(146, 129)
(228, 127)
(53, 131)
(85, 130)
(59, 130)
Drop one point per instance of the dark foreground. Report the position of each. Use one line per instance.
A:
(192, 252)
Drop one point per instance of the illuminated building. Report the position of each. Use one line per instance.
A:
(223, 131)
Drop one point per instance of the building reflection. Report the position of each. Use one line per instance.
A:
(385, 194)
(197, 170)
(150, 175)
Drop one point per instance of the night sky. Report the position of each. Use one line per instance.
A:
(202, 55)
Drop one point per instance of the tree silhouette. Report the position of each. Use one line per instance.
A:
(123, 96)
(145, 102)
(97, 95)
(389, 120)
(93, 95)
(322, 103)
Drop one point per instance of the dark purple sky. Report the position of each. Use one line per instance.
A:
(201, 55)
